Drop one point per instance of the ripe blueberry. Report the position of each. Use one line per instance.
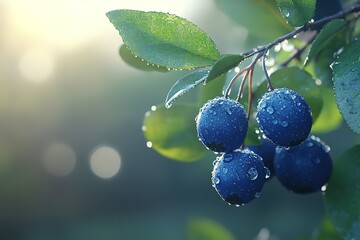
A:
(267, 152)
(304, 168)
(284, 117)
(222, 124)
(239, 176)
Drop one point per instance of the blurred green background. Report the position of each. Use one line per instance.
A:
(73, 160)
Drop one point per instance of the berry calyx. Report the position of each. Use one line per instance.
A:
(284, 117)
(222, 124)
(304, 168)
(239, 176)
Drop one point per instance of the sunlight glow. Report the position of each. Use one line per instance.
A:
(36, 65)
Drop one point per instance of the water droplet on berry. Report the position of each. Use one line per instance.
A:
(252, 173)
(262, 104)
(293, 97)
(270, 109)
(237, 205)
(227, 110)
(257, 195)
(284, 124)
(275, 121)
(323, 188)
(267, 172)
(228, 157)
(309, 144)
(216, 180)
(225, 170)
(326, 148)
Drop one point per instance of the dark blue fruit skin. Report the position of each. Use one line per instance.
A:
(267, 152)
(222, 124)
(304, 168)
(284, 117)
(232, 175)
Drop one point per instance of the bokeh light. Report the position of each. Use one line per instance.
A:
(105, 162)
(59, 159)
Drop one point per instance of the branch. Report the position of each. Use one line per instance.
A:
(308, 26)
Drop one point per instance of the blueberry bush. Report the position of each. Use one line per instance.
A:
(266, 125)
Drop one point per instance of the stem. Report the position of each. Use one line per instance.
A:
(250, 93)
(232, 81)
(298, 52)
(308, 26)
(269, 85)
(242, 84)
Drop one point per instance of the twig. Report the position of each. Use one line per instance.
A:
(308, 26)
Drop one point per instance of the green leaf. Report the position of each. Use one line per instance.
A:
(261, 18)
(205, 229)
(297, 12)
(325, 38)
(172, 132)
(330, 117)
(343, 193)
(299, 81)
(346, 70)
(136, 62)
(224, 64)
(184, 85)
(327, 231)
(164, 39)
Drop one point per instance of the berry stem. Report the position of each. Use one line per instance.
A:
(269, 85)
(250, 93)
(232, 81)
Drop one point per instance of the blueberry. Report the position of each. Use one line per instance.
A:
(239, 176)
(304, 168)
(267, 152)
(284, 117)
(222, 124)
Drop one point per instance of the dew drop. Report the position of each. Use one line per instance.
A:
(257, 195)
(323, 188)
(228, 157)
(309, 144)
(225, 170)
(227, 110)
(217, 180)
(237, 205)
(262, 104)
(293, 96)
(143, 128)
(153, 108)
(149, 144)
(326, 148)
(275, 121)
(284, 124)
(270, 109)
(252, 173)
(267, 172)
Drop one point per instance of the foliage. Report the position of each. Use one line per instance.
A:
(324, 67)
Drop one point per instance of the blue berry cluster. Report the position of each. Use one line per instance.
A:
(301, 162)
